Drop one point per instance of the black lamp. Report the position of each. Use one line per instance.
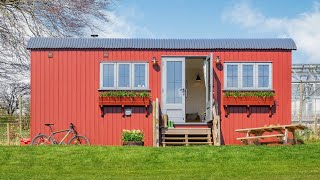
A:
(198, 78)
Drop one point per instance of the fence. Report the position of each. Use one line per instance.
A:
(12, 132)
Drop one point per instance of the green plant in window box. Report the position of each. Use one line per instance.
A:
(263, 94)
(130, 94)
(144, 94)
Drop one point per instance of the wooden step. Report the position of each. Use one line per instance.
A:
(261, 137)
(184, 143)
(186, 131)
(183, 138)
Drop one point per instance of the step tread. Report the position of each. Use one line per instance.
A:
(186, 142)
(190, 138)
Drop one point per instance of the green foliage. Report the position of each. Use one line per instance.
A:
(309, 135)
(249, 94)
(143, 94)
(132, 135)
(120, 94)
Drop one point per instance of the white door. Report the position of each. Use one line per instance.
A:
(209, 87)
(173, 88)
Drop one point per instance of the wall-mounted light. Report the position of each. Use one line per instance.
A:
(218, 60)
(50, 54)
(198, 78)
(105, 54)
(154, 61)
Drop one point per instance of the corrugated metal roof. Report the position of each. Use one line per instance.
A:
(111, 43)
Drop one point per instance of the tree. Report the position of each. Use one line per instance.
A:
(22, 19)
(9, 95)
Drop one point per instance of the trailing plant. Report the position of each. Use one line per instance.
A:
(143, 94)
(132, 135)
(263, 94)
(131, 94)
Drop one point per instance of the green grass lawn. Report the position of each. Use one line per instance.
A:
(194, 162)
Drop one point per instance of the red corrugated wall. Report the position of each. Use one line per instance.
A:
(64, 89)
(238, 119)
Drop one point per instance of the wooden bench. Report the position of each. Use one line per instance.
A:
(245, 140)
(256, 134)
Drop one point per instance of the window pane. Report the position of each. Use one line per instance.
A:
(174, 82)
(139, 75)
(263, 76)
(232, 75)
(247, 76)
(124, 75)
(108, 75)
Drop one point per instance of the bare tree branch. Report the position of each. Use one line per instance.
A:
(22, 19)
(9, 94)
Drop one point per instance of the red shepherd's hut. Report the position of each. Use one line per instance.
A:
(194, 80)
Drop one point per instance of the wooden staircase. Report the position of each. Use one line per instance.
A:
(185, 136)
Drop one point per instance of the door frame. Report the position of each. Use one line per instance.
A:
(163, 73)
(209, 91)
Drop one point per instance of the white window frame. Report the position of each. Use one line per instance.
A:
(255, 76)
(131, 76)
(114, 76)
(226, 77)
(146, 76)
(270, 76)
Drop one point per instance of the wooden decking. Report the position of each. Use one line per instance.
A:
(185, 136)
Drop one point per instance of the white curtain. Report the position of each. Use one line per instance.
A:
(205, 73)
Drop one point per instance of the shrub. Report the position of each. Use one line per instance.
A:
(132, 135)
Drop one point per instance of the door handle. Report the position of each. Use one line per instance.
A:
(183, 91)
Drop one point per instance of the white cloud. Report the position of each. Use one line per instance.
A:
(121, 27)
(304, 28)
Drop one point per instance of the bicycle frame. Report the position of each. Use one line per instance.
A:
(69, 131)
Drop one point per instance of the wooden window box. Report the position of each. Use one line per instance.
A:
(124, 101)
(248, 101)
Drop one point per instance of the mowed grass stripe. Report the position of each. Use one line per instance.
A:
(194, 162)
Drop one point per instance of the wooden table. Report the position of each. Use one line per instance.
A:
(282, 133)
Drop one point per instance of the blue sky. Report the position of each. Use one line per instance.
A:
(298, 19)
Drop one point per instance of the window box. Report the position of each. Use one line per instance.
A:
(124, 98)
(124, 101)
(248, 99)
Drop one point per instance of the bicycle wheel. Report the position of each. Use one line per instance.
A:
(79, 140)
(41, 140)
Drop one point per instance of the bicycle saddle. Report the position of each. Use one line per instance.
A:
(48, 124)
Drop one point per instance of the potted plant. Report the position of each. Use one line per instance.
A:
(132, 138)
